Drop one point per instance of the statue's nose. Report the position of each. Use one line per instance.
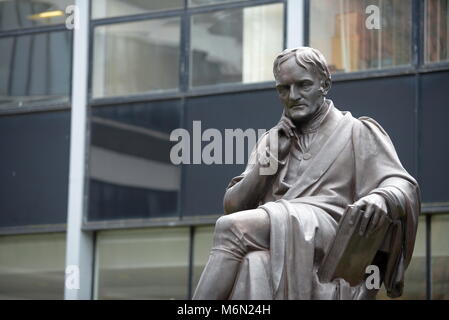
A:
(294, 93)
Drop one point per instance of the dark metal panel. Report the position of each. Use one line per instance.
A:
(391, 102)
(434, 137)
(34, 164)
(204, 185)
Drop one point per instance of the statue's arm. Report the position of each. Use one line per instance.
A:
(245, 191)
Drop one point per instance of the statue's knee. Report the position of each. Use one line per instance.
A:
(225, 224)
(226, 229)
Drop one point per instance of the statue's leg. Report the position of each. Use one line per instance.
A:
(235, 235)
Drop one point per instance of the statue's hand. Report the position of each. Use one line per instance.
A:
(375, 212)
(285, 133)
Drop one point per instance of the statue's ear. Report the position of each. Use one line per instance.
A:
(325, 86)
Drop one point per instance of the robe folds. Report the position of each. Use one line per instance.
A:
(348, 159)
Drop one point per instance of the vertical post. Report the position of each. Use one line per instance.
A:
(79, 247)
(295, 23)
(428, 257)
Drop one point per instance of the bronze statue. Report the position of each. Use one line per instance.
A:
(282, 236)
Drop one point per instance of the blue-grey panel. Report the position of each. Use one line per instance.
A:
(204, 185)
(434, 137)
(34, 166)
(391, 102)
(130, 172)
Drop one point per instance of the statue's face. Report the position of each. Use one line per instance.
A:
(299, 90)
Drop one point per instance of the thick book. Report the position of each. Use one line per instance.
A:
(350, 254)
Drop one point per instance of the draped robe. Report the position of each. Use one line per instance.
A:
(347, 159)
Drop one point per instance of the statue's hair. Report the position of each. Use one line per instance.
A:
(304, 57)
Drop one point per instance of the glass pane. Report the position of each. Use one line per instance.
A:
(196, 3)
(143, 264)
(32, 266)
(34, 152)
(204, 237)
(415, 276)
(16, 14)
(237, 45)
(339, 29)
(35, 69)
(114, 8)
(440, 257)
(437, 31)
(131, 175)
(136, 57)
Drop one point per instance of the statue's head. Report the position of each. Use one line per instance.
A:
(302, 81)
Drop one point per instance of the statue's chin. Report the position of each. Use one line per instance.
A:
(299, 117)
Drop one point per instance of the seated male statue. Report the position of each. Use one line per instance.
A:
(278, 227)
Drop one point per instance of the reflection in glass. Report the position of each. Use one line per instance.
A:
(131, 175)
(136, 57)
(440, 257)
(204, 237)
(16, 14)
(437, 31)
(339, 30)
(237, 45)
(35, 69)
(197, 3)
(142, 264)
(114, 8)
(415, 276)
(32, 266)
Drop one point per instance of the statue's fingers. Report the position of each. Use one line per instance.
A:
(360, 204)
(289, 122)
(366, 219)
(287, 130)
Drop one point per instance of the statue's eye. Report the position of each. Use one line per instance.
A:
(283, 89)
(306, 84)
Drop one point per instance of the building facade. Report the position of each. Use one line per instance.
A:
(90, 92)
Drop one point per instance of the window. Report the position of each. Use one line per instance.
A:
(237, 45)
(32, 266)
(204, 239)
(34, 171)
(131, 175)
(136, 57)
(338, 29)
(440, 257)
(35, 69)
(143, 264)
(113, 8)
(15, 14)
(436, 31)
(174, 50)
